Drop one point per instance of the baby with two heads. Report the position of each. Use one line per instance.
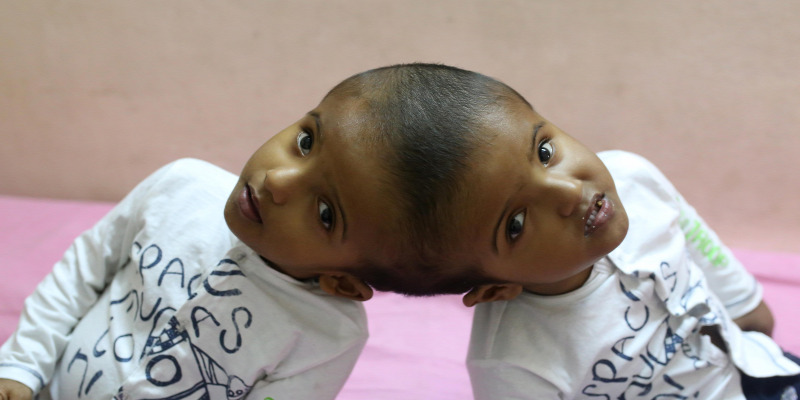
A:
(420, 179)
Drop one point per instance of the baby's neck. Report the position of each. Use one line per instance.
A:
(563, 286)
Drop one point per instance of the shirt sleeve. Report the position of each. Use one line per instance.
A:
(67, 293)
(321, 382)
(739, 291)
(492, 379)
(726, 276)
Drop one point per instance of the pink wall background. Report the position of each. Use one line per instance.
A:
(96, 95)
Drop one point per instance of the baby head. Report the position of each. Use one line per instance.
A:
(534, 209)
(427, 179)
(542, 209)
(357, 192)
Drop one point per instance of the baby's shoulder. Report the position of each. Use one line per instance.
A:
(187, 175)
(192, 170)
(183, 185)
(626, 167)
(621, 159)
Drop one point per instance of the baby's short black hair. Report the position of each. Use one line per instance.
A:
(429, 118)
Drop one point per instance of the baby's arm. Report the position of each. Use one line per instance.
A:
(67, 293)
(726, 276)
(59, 302)
(760, 320)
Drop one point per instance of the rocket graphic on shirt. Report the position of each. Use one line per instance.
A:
(214, 382)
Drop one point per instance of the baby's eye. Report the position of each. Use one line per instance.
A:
(546, 152)
(325, 215)
(304, 142)
(515, 225)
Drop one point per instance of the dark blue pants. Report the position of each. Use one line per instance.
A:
(775, 388)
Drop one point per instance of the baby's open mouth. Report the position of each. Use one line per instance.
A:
(598, 214)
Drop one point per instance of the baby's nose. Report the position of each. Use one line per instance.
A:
(282, 183)
(567, 193)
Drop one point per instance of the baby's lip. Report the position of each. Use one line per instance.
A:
(248, 203)
(599, 211)
(592, 206)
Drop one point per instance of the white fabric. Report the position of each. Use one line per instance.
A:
(160, 300)
(633, 328)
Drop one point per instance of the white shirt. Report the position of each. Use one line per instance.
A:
(161, 300)
(632, 329)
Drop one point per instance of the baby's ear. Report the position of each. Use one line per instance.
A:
(492, 292)
(345, 285)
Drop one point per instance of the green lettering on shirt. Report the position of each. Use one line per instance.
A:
(702, 241)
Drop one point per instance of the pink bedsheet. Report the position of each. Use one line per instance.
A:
(416, 347)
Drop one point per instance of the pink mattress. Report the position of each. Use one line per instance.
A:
(416, 347)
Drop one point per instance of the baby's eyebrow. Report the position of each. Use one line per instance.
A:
(341, 211)
(315, 115)
(497, 228)
(500, 220)
(532, 151)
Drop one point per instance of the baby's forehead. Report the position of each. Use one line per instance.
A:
(350, 117)
(360, 118)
